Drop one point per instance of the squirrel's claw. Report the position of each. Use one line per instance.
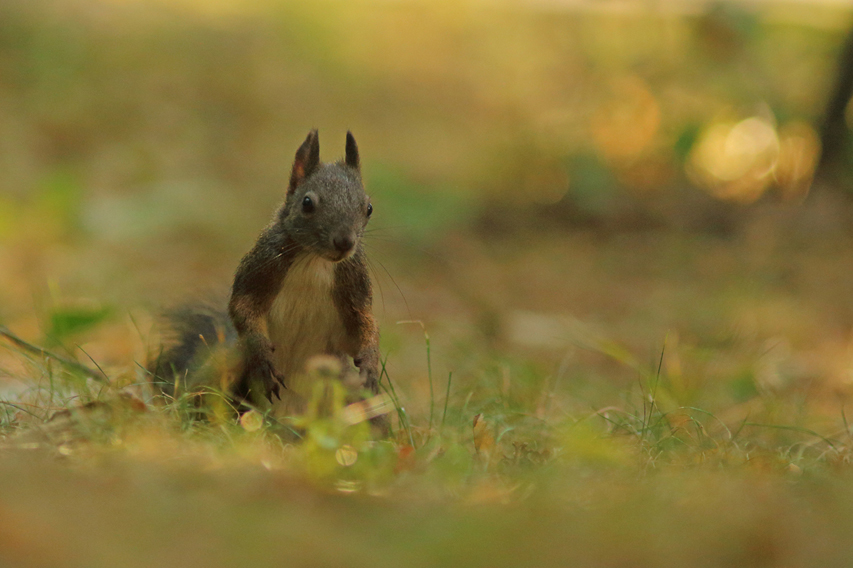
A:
(274, 386)
(273, 390)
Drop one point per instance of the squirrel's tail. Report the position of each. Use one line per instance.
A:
(195, 341)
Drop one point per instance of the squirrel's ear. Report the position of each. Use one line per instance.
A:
(352, 152)
(306, 161)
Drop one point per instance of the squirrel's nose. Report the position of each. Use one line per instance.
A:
(343, 243)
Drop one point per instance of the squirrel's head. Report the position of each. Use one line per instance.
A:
(326, 209)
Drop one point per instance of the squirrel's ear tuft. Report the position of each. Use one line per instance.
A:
(306, 161)
(352, 152)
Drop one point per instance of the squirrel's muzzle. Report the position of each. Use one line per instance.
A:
(344, 244)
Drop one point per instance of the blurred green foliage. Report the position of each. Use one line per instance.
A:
(68, 321)
(415, 211)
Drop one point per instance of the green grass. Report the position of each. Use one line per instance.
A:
(500, 480)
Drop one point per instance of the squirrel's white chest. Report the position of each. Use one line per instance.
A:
(303, 320)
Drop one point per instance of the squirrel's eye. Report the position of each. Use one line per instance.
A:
(307, 205)
(369, 209)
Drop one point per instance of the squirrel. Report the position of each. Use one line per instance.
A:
(302, 290)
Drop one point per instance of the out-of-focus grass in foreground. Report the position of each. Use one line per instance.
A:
(112, 480)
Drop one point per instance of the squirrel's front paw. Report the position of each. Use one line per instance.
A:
(368, 370)
(263, 374)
